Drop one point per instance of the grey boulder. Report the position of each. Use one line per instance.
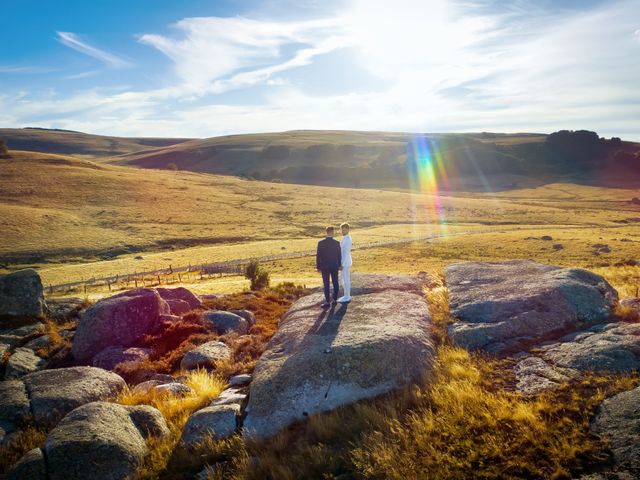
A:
(31, 466)
(21, 295)
(501, 307)
(102, 441)
(321, 359)
(181, 294)
(54, 393)
(22, 361)
(225, 322)
(217, 422)
(119, 320)
(247, 315)
(205, 356)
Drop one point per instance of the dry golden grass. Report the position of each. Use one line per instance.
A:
(27, 439)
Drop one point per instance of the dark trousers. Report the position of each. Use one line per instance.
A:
(336, 286)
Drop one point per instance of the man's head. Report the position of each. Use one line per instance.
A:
(330, 231)
(345, 228)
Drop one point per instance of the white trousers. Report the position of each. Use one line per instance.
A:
(346, 280)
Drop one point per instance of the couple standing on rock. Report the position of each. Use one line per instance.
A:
(332, 257)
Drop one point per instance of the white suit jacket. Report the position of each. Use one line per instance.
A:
(345, 247)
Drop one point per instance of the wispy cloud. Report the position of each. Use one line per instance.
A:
(72, 40)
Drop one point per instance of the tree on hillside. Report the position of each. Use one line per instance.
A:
(4, 151)
(172, 166)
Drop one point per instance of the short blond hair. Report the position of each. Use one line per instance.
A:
(345, 225)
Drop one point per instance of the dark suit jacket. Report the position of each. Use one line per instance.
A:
(329, 256)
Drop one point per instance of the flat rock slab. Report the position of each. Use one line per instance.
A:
(321, 359)
(611, 347)
(534, 375)
(618, 421)
(501, 307)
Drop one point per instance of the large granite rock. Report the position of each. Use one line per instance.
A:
(218, 422)
(618, 421)
(205, 355)
(31, 466)
(101, 441)
(21, 362)
(54, 393)
(502, 306)
(321, 359)
(119, 320)
(21, 296)
(224, 322)
(180, 294)
(14, 406)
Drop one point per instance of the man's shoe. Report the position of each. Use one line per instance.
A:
(344, 299)
(325, 305)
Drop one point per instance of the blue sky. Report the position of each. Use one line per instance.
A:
(202, 68)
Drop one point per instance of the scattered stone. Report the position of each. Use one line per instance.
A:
(225, 322)
(65, 308)
(209, 297)
(219, 422)
(240, 380)
(558, 246)
(21, 362)
(111, 357)
(178, 307)
(205, 356)
(173, 388)
(56, 392)
(31, 466)
(43, 341)
(602, 248)
(380, 341)
(502, 307)
(611, 347)
(247, 315)
(635, 201)
(119, 320)
(618, 421)
(229, 396)
(101, 440)
(21, 296)
(546, 238)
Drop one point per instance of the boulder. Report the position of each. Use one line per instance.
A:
(178, 307)
(609, 347)
(119, 320)
(65, 308)
(181, 294)
(205, 356)
(21, 296)
(218, 422)
(225, 322)
(111, 357)
(21, 362)
(248, 315)
(240, 380)
(43, 341)
(14, 405)
(54, 393)
(173, 388)
(501, 307)
(618, 421)
(101, 440)
(31, 466)
(321, 359)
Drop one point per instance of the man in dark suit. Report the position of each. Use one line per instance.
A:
(329, 262)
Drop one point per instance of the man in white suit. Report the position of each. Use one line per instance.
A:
(345, 248)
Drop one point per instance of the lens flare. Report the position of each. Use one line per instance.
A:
(426, 169)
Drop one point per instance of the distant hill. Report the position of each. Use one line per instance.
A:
(398, 160)
(68, 142)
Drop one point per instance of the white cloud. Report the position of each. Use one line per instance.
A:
(71, 40)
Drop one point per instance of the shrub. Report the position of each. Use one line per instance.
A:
(4, 151)
(259, 278)
(172, 166)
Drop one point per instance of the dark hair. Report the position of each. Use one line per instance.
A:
(330, 229)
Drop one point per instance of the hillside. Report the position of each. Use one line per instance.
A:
(78, 143)
(458, 162)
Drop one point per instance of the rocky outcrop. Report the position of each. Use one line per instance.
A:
(31, 466)
(119, 320)
(225, 322)
(21, 296)
(54, 393)
(180, 294)
(111, 357)
(217, 422)
(501, 307)
(618, 421)
(240, 380)
(534, 375)
(21, 362)
(321, 359)
(101, 440)
(205, 356)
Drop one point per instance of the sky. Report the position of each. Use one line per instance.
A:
(195, 68)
